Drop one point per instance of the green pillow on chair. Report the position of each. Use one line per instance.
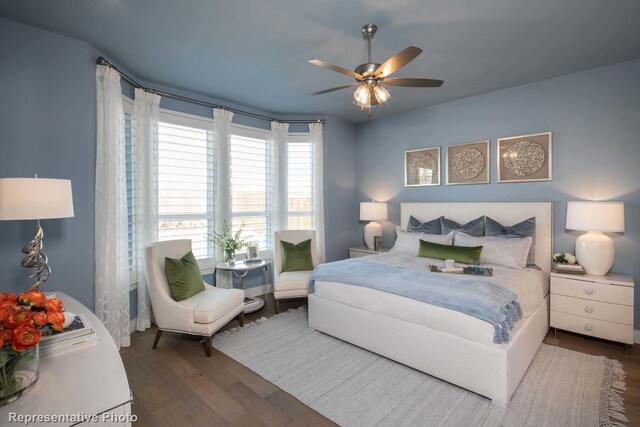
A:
(183, 276)
(296, 257)
(461, 254)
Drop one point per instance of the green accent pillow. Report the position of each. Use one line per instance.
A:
(296, 257)
(461, 254)
(183, 276)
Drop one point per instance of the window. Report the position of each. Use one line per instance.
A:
(251, 184)
(185, 181)
(128, 144)
(300, 182)
(186, 194)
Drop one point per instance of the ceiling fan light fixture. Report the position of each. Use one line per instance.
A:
(362, 96)
(381, 94)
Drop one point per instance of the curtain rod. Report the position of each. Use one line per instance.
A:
(102, 61)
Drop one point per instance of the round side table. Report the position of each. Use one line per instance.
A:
(240, 270)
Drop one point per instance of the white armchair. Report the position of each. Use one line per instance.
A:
(202, 314)
(291, 284)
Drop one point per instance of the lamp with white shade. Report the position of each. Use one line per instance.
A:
(35, 199)
(595, 251)
(372, 211)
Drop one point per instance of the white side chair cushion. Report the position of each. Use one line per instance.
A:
(292, 280)
(213, 303)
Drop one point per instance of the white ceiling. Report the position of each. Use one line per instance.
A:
(255, 52)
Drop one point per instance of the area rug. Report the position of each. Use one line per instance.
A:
(354, 387)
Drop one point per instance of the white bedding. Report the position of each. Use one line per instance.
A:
(530, 285)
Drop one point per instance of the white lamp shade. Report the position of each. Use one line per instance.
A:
(595, 216)
(35, 198)
(372, 211)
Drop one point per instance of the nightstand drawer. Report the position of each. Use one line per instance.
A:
(592, 327)
(593, 309)
(592, 291)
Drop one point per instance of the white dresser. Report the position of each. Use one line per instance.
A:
(89, 382)
(599, 306)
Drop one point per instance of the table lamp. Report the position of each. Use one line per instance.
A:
(35, 199)
(372, 211)
(595, 251)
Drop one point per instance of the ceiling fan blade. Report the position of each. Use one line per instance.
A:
(412, 82)
(397, 61)
(340, 70)
(321, 92)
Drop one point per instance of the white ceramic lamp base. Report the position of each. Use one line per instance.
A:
(595, 252)
(372, 230)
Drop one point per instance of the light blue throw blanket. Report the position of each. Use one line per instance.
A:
(478, 298)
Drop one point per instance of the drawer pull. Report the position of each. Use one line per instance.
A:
(588, 309)
(588, 327)
(588, 291)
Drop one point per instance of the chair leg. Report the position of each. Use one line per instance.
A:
(277, 304)
(207, 346)
(241, 318)
(158, 335)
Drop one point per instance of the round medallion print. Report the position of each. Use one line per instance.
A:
(467, 163)
(524, 158)
(423, 168)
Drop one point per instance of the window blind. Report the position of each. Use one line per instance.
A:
(251, 188)
(128, 144)
(185, 182)
(300, 185)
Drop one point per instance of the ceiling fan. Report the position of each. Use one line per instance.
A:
(371, 76)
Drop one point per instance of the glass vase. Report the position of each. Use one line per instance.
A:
(18, 372)
(230, 256)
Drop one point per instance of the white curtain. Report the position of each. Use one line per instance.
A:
(279, 214)
(315, 129)
(112, 263)
(145, 177)
(222, 183)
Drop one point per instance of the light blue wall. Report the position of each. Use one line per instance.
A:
(48, 126)
(595, 119)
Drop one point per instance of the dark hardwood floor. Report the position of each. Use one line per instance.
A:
(176, 385)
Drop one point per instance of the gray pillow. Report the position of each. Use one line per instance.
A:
(526, 228)
(473, 228)
(429, 227)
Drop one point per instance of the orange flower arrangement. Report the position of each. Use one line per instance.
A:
(23, 316)
(23, 319)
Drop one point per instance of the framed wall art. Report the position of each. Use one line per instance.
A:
(469, 163)
(422, 167)
(525, 158)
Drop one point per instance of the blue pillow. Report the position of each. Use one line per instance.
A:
(473, 228)
(526, 228)
(429, 227)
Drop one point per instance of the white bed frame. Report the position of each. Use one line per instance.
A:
(492, 370)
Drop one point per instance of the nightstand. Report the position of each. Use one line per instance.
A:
(598, 306)
(359, 251)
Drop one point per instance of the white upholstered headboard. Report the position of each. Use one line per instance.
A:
(507, 213)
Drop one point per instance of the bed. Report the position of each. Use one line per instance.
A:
(444, 343)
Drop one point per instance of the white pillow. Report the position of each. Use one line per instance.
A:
(408, 242)
(498, 251)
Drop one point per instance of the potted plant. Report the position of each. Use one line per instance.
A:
(229, 242)
(23, 321)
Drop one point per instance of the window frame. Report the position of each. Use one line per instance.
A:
(244, 131)
(205, 123)
(304, 138)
